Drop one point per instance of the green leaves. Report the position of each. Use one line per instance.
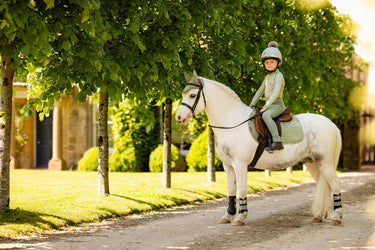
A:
(85, 15)
(136, 48)
(66, 45)
(50, 3)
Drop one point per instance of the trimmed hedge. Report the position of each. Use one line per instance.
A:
(197, 157)
(123, 159)
(156, 158)
(120, 161)
(89, 161)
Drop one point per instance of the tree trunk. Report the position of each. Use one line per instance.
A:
(211, 156)
(5, 129)
(167, 141)
(103, 183)
(161, 122)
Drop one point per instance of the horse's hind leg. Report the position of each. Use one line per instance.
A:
(316, 208)
(241, 174)
(231, 182)
(330, 175)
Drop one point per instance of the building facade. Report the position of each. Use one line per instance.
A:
(361, 150)
(58, 141)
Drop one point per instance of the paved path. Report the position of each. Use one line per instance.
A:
(278, 219)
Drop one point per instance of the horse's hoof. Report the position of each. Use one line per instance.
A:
(224, 221)
(317, 220)
(238, 223)
(335, 222)
(227, 218)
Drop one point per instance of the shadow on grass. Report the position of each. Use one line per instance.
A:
(166, 201)
(207, 195)
(35, 219)
(133, 199)
(154, 206)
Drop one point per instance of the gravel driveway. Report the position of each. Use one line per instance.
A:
(278, 219)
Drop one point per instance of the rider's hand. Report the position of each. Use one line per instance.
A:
(262, 110)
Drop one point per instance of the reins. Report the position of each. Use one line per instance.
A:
(220, 127)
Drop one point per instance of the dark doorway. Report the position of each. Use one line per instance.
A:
(368, 148)
(44, 140)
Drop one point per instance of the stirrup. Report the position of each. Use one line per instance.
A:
(275, 146)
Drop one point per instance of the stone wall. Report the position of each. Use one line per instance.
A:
(25, 136)
(76, 132)
(76, 129)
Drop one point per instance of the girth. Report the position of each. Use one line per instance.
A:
(265, 137)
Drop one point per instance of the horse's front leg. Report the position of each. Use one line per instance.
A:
(231, 180)
(241, 174)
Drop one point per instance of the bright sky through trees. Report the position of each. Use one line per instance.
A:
(363, 13)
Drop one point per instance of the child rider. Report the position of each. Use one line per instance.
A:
(272, 86)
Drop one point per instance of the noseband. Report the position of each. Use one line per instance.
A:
(200, 91)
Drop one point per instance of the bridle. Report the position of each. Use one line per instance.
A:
(200, 92)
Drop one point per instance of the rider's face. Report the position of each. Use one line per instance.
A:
(270, 64)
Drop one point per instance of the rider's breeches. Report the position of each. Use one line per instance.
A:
(275, 109)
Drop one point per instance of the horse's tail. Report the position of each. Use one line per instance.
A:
(323, 193)
(338, 148)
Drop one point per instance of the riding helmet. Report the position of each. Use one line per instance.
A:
(272, 52)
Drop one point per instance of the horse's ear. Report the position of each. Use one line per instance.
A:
(187, 77)
(195, 76)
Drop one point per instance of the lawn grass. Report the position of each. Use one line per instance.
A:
(44, 200)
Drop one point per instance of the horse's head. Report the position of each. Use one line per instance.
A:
(192, 103)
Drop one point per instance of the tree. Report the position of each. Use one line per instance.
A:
(77, 37)
(103, 182)
(137, 53)
(167, 141)
(211, 156)
(24, 37)
(31, 34)
(5, 128)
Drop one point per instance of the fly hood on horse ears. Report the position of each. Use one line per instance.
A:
(192, 82)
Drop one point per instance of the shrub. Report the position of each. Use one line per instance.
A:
(156, 158)
(124, 158)
(120, 161)
(197, 157)
(89, 161)
(135, 125)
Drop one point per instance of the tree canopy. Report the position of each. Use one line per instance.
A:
(140, 49)
(316, 44)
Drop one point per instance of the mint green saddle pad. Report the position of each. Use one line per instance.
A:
(292, 131)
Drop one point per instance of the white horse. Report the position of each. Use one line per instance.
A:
(319, 150)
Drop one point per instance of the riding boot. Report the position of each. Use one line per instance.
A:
(276, 145)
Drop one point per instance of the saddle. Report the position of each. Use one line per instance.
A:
(261, 127)
(265, 137)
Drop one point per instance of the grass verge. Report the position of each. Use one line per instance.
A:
(45, 200)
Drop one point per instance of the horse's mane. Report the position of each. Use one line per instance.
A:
(226, 89)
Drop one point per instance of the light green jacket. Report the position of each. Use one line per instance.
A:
(273, 86)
